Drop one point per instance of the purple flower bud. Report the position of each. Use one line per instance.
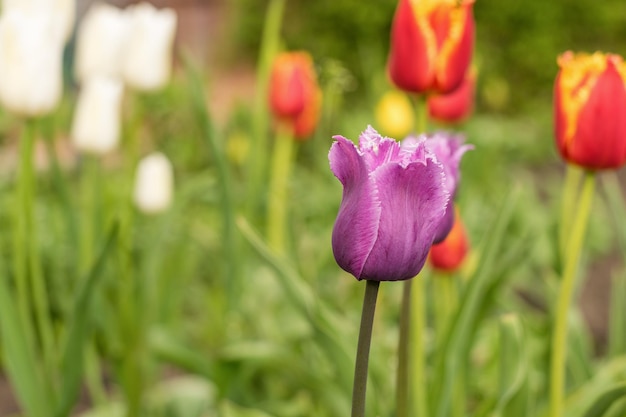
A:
(449, 149)
(394, 198)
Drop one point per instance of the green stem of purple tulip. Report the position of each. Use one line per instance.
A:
(566, 292)
(363, 348)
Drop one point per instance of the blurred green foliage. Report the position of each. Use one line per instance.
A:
(516, 47)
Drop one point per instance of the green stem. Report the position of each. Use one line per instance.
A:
(21, 234)
(258, 157)
(573, 176)
(421, 107)
(566, 291)
(33, 264)
(278, 189)
(363, 348)
(402, 381)
(90, 190)
(417, 376)
(445, 296)
(130, 308)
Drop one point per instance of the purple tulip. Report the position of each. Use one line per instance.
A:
(394, 198)
(448, 148)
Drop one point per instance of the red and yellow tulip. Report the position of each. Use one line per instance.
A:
(432, 42)
(590, 110)
(456, 106)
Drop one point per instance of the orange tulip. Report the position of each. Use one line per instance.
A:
(449, 255)
(295, 97)
(432, 42)
(456, 106)
(590, 110)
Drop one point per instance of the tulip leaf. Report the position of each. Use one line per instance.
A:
(514, 363)
(617, 333)
(610, 373)
(210, 137)
(472, 303)
(579, 349)
(605, 400)
(169, 348)
(79, 330)
(19, 357)
(301, 295)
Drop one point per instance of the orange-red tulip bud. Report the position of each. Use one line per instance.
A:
(590, 110)
(456, 106)
(306, 122)
(295, 97)
(432, 42)
(449, 255)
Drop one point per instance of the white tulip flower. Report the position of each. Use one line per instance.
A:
(101, 41)
(148, 59)
(64, 12)
(154, 184)
(97, 118)
(31, 71)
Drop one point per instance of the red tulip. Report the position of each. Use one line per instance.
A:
(431, 44)
(450, 254)
(456, 106)
(295, 97)
(590, 110)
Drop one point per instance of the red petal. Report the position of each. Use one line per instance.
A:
(409, 65)
(600, 138)
(452, 66)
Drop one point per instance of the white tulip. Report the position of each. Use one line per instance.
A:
(31, 72)
(64, 11)
(148, 59)
(97, 118)
(154, 184)
(101, 41)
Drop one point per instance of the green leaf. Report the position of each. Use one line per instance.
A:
(461, 332)
(580, 363)
(210, 137)
(610, 373)
(606, 400)
(19, 358)
(514, 363)
(302, 297)
(168, 348)
(79, 330)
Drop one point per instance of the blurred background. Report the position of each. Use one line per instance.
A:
(256, 356)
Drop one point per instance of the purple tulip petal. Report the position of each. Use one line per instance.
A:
(446, 223)
(449, 149)
(377, 150)
(394, 202)
(413, 203)
(359, 214)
